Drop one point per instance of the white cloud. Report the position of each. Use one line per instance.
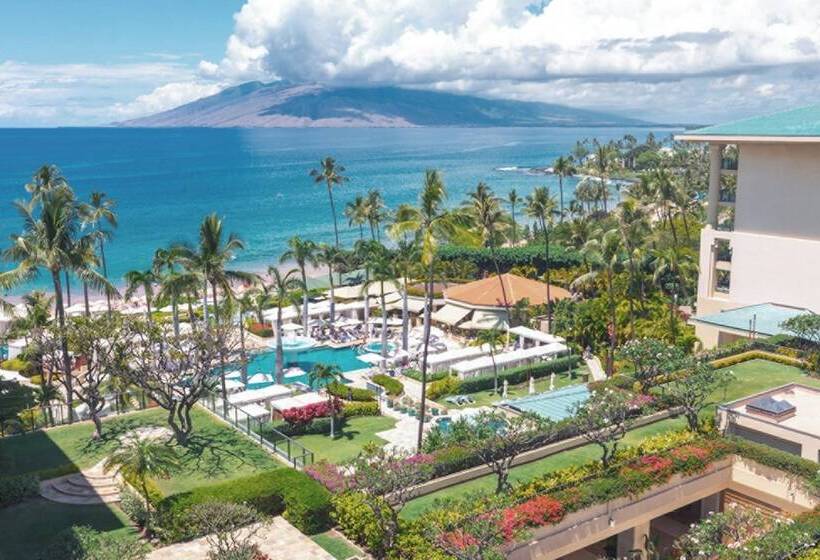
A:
(165, 97)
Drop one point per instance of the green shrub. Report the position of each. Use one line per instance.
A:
(316, 426)
(353, 409)
(447, 386)
(394, 387)
(508, 257)
(17, 364)
(133, 506)
(757, 355)
(454, 458)
(84, 543)
(350, 393)
(356, 520)
(520, 374)
(261, 329)
(775, 458)
(303, 501)
(14, 489)
(416, 374)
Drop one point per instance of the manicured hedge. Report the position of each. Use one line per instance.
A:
(757, 355)
(353, 409)
(303, 501)
(394, 387)
(520, 374)
(416, 374)
(508, 257)
(14, 489)
(350, 393)
(261, 329)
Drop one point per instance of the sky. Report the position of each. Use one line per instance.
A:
(92, 62)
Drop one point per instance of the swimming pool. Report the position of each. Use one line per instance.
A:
(347, 359)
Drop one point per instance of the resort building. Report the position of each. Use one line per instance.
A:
(480, 305)
(786, 418)
(761, 244)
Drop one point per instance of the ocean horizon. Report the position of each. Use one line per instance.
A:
(166, 180)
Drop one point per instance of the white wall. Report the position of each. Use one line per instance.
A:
(778, 190)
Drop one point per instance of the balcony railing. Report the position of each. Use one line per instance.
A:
(728, 164)
(727, 195)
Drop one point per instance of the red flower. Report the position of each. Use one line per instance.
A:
(459, 539)
(653, 464)
(536, 512)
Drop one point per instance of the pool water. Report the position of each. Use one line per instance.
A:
(376, 347)
(347, 359)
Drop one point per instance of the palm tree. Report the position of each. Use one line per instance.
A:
(604, 164)
(44, 395)
(364, 251)
(513, 199)
(303, 253)
(282, 287)
(406, 260)
(432, 223)
(244, 303)
(356, 213)
(493, 338)
(383, 270)
(261, 299)
(563, 168)
(321, 376)
(141, 279)
(331, 174)
(375, 213)
(99, 210)
(541, 206)
(139, 458)
(605, 257)
(329, 255)
(48, 243)
(485, 209)
(665, 189)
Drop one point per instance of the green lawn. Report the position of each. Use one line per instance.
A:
(355, 434)
(26, 528)
(750, 377)
(335, 545)
(486, 398)
(215, 452)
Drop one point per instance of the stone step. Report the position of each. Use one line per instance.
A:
(50, 493)
(70, 490)
(83, 481)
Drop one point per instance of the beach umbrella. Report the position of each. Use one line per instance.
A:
(532, 385)
(291, 327)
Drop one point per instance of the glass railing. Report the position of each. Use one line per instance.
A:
(727, 195)
(728, 164)
(262, 432)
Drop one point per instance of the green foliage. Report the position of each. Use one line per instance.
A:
(756, 355)
(303, 501)
(353, 409)
(17, 364)
(520, 374)
(508, 257)
(771, 457)
(84, 543)
(356, 520)
(416, 374)
(14, 489)
(133, 506)
(349, 393)
(446, 386)
(394, 387)
(261, 329)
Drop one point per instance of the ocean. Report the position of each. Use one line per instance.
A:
(165, 180)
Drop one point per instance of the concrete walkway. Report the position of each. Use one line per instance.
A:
(278, 539)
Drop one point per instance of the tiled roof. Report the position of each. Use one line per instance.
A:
(487, 291)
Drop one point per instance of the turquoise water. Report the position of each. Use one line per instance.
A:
(166, 180)
(376, 347)
(345, 358)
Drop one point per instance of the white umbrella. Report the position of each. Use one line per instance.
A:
(234, 385)
(370, 358)
(260, 378)
(291, 327)
(532, 385)
(504, 390)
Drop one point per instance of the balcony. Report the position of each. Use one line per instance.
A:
(727, 196)
(728, 164)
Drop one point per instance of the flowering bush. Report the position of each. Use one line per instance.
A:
(329, 475)
(306, 414)
(538, 511)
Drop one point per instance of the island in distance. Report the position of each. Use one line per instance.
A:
(288, 105)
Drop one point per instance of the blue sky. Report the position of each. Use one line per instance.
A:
(102, 31)
(92, 62)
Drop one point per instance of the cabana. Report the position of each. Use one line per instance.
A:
(484, 364)
(255, 411)
(537, 337)
(297, 401)
(269, 393)
(443, 361)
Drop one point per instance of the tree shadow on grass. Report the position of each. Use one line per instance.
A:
(215, 451)
(348, 434)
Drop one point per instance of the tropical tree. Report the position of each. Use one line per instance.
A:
(176, 283)
(432, 223)
(695, 389)
(332, 175)
(376, 213)
(513, 199)
(44, 395)
(47, 243)
(406, 261)
(356, 214)
(139, 458)
(144, 280)
(493, 339)
(329, 256)
(604, 164)
(382, 271)
(485, 209)
(303, 253)
(604, 419)
(100, 216)
(664, 186)
(321, 376)
(562, 167)
(605, 258)
(541, 206)
(282, 287)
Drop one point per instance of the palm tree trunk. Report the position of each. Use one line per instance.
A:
(405, 319)
(280, 352)
(495, 370)
(613, 334)
(547, 262)
(105, 273)
(67, 288)
(244, 354)
(512, 210)
(191, 317)
(85, 299)
(428, 305)
(333, 211)
(561, 196)
(222, 384)
(205, 302)
(304, 300)
(58, 303)
(175, 307)
(366, 303)
(332, 295)
(384, 328)
(500, 281)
